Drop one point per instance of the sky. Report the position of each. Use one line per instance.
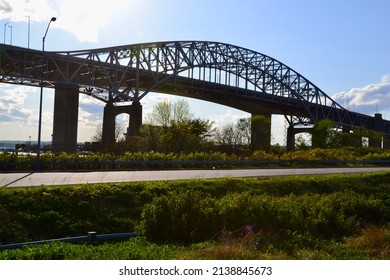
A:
(341, 46)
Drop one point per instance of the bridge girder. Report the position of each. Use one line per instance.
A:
(212, 71)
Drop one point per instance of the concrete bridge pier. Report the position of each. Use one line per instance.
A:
(110, 113)
(290, 146)
(291, 132)
(261, 131)
(65, 121)
(386, 142)
(108, 131)
(135, 120)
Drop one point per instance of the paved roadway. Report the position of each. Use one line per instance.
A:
(69, 178)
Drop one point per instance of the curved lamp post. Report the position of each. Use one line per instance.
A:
(10, 27)
(41, 96)
(5, 29)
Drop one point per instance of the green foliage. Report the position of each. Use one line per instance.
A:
(233, 137)
(298, 217)
(186, 135)
(263, 155)
(191, 217)
(53, 212)
(326, 135)
(171, 127)
(179, 217)
(372, 243)
(261, 132)
(134, 249)
(328, 154)
(109, 161)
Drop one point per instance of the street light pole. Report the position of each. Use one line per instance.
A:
(11, 34)
(28, 33)
(41, 96)
(5, 29)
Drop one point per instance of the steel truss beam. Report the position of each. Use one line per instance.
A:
(213, 71)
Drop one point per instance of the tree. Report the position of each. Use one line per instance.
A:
(164, 113)
(374, 138)
(170, 127)
(181, 111)
(301, 143)
(187, 135)
(244, 130)
(233, 136)
(326, 135)
(152, 135)
(228, 137)
(98, 136)
(161, 114)
(362, 137)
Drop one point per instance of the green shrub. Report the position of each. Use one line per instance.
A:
(192, 217)
(183, 217)
(317, 206)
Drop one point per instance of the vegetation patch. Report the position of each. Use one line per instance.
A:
(243, 157)
(316, 217)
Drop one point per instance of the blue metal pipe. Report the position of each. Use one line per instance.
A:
(90, 238)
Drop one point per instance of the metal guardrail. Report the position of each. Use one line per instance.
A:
(90, 238)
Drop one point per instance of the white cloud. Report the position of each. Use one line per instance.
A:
(367, 99)
(5, 7)
(385, 78)
(91, 105)
(82, 18)
(90, 112)
(228, 117)
(17, 10)
(5, 118)
(17, 120)
(12, 101)
(85, 20)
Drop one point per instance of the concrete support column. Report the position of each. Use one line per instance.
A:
(135, 120)
(291, 132)
(347, 138)
(108, 131)
(65, 121)
(375, 136)
(386, 142)
(110, 113)
(375, 142)
(378, 122)
(290, 139)
(261, 131)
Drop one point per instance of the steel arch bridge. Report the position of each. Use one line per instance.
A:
(212, 71)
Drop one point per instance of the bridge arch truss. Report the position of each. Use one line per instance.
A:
(213, 71)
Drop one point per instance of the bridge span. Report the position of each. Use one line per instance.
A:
(221, 73)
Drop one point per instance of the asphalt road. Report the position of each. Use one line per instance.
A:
(70, 178)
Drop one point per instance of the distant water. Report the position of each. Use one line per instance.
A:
(9, 145)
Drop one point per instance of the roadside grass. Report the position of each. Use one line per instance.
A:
(145, 160)
(370, 244)
(314, 217)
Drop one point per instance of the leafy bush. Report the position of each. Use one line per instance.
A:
(192, 217)
(136, 248)
(126, 159)
(54, 212)
(179, 217)
(291, 207)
